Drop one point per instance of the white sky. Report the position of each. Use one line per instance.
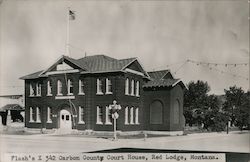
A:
(159, 33)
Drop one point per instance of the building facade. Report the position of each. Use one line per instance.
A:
(77, 94)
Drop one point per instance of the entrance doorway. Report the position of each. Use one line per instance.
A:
(65, 120)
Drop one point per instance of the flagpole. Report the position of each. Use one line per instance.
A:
(67, 37)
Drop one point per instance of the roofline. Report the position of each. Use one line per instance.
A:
(136, 59)
(179, 81)
(61, 57)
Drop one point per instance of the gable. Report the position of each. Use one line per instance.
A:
(64, 64)
(136, 68)
(168, 76)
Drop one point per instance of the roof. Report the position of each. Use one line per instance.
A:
(91, 64)
(160, 83)
(32, 76)
(158, 74)
(11, 107)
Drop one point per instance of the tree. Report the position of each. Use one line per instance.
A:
(201, 108)
(242, 114)
(234, 101)
(195, 98)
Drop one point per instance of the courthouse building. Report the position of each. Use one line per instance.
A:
(76, 94)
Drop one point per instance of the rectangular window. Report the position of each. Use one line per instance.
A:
(49, 89)
(38, 89)
(126, 115)
(137, 115)
(137, 89)
(70, 87)
(31, 114)
(132, 87)
(108, 116)
(99, 87)
(59, 87)
(131, 115)
(81, 115)
(127, 87)
(99, 115)
(81, 87)
(32, 90)
(49, 115)
(38, 115)
(108, 86)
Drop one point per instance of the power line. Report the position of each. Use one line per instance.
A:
(218, 64)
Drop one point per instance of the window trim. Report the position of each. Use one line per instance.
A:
(49, 115)
(137, 89)
(132, 88)
(98, 86)
(32, 90)
(131, 121)
(59, 86)
(81, 87)
(49, 88)
(31, 115)
(98, 115)
(38, 89)
(80, 117)
(70, 85)
(107, 86)
(108, 111)
(127, 86)
(137, 116)
(38, 115)
(126, 113)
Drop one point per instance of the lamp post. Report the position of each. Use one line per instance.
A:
(114, 111)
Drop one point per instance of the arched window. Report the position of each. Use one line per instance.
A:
(156, 111)
(176, 112)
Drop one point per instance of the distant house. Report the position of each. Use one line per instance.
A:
(76, 94)
(11, 105)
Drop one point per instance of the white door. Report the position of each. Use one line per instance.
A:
(65, 120)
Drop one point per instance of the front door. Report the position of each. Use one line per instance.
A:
(65, 120)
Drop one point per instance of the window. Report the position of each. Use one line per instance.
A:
(137, 115)
(127, 87)
(70, 87)
(49, 89)
(81, 87)
(59, 87)
(38, 89)
(137, 89)
(131, 115)
(108, 116)
(99, 115)
(108, 86)
(81, 115)
(31, 114)
(32, 90)
(156, 111)
(176, 113)
(132, 87)
(99, 86)
(38, 115)
(49, 115)
(126, 115)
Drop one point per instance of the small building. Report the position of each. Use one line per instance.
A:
(11, 108)
(76, 94)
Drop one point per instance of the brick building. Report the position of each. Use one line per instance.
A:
(76, 94)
